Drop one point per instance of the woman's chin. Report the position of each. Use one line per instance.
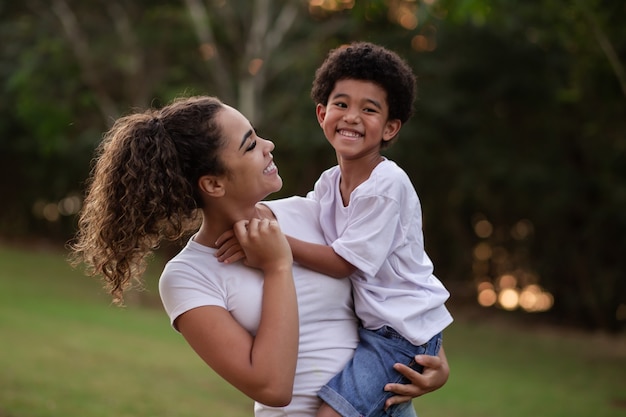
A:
(277, 187)
(279, 183)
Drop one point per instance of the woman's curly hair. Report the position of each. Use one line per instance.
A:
(368, 62)
(143, 188)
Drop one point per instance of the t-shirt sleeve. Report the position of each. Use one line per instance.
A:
(182, 288)
(323, 185)
(371, 232)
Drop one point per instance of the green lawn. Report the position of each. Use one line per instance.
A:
(66, 351)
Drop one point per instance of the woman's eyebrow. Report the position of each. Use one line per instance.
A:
(245, 137)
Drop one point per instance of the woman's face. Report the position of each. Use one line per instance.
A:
(252, 174)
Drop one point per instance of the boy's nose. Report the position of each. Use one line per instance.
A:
(351, 117)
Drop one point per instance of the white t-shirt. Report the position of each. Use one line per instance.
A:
(328, 327)
(380, 233)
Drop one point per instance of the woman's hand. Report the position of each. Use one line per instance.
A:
(435, 375)
(264, 245)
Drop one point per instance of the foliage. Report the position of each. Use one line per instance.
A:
(526, 108)
(519, 121)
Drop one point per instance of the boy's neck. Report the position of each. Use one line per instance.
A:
(354, 173)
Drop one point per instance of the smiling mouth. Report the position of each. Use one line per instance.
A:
(270, 168)
(349, 133)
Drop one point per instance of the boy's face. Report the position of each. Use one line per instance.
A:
(355, 119)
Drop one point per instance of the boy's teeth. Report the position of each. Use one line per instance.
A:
(349, 133)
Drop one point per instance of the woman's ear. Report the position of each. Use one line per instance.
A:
(211, 185)
(392, 127)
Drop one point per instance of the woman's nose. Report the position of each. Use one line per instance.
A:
(269, 145)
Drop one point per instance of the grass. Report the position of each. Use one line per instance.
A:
(66, 351)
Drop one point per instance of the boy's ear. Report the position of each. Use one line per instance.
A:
(320, 112)
(211, 185)
(392, 127)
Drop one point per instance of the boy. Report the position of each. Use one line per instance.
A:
(371, 218)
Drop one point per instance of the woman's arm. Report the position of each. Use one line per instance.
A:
(261, 366)
(435, 375)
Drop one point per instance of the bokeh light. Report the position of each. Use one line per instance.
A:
(69, 205)
(507, 281)
(330, 5)
(483, 228)
(207, 51)
(522, 229)
(52, 211)
(508, 295)
(254, 66)
(529, 297)
(487, 295)
(404, 13)
(508, 298)
(502, 280)
(482, 251)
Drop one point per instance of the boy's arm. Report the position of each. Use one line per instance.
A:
(320, 258)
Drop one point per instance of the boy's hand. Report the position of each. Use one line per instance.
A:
(229, 250)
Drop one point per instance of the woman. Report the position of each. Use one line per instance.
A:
(155, 173)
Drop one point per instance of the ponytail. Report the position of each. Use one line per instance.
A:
(143, 188)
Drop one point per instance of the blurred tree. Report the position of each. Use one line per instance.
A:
(238, 40)
(66, 75)
(519, 122)
(523, 106)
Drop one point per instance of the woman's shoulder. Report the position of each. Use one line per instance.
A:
(298, 217)
(293, 208)
(196, 264)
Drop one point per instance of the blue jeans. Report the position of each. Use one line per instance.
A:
(358, 390)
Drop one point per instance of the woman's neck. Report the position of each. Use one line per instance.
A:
(217, 222)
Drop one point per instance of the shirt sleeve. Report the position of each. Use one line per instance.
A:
(324, 184)
(182, 290)
(371, 233)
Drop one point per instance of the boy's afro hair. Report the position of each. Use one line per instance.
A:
(368, 62)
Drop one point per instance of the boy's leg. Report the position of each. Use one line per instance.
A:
(358, 389)
(326, 410)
